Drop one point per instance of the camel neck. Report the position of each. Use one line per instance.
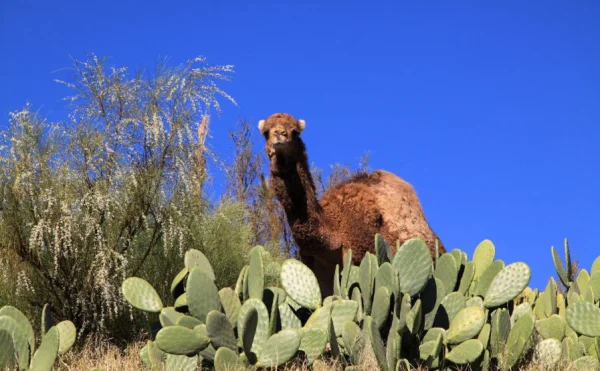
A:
(296, 192)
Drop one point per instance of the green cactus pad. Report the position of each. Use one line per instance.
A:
(178, 283)
(196, 259)
(486, 278)
(385, 277)
(19, 338)
(552, 327)
(595, 267)
(203, 295)
(500, 329)
(381, 306)
(261, 332)
(256, 273)
(466, 324)
(313, 342)
(430, 349)
(220, 331)
(466, 352)
(413, 261)
(337, 289)
(583, 281)
(507, 284)
(155, 355)
(227, 360)
(141, 295)
(367, 280)
(484, 335)
(174, 362)
(446, 271)
(23, 323)
(433, 333)
(44, 357)
(188, 321)
(181, 303)
(319, 318)
(47, 321)
(288, 317)
(279, 348)
(66, 336)
(584, 318)
(521, 309)
(180, 340)
(466, 278)
(585, 363)
(451, 304)
(475, 301)
(483, 256)
(301, 284)
(350, 335)
(342, 311)
(560, 269)
(374, 337)
(231, 304)
(168, 316)
(548, 353)
(414, 317)
(345, 275)
(7, 356)
(239, 285)
(518, 340)
(382, 250)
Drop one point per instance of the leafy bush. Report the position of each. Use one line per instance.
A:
(114, 190)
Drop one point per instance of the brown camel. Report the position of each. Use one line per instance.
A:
(348, 215)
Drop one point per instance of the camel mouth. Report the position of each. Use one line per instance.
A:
(281, 147)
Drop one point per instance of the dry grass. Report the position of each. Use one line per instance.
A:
(104, 355)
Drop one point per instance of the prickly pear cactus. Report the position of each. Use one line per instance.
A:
(407, 310)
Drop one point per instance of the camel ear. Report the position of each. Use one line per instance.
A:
(261, 125)
(301, 125)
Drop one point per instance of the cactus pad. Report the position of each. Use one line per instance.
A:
(507, 284)
(483, 256)
(467, 278)
(279, 348)
(313, 342)
(466, 324)
(66, 336)
(7, 356)
(226, 360)
(552, 327)
(256, 273)
(180, 340)
(44, 357)
(141, 295)
(342, 311)
(231, 304)
(194, 258)
(548, 352)
(518, 340)
(301, 284)
(203, 295)
(466, 352)
(584, 318)
(220, 332)
(261, 332)
(413, 261)
(446, 271)
(23, 324)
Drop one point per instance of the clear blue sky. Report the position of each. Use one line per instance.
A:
(492, 112)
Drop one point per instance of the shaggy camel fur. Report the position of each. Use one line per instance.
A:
(348, 215)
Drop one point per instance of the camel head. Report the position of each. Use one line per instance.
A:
(282, 133)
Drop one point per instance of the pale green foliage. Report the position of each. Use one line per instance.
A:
(113, 190)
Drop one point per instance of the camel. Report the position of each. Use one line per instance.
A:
(347, 216)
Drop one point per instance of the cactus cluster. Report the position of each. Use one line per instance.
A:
(407, 309)
(18, 343)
